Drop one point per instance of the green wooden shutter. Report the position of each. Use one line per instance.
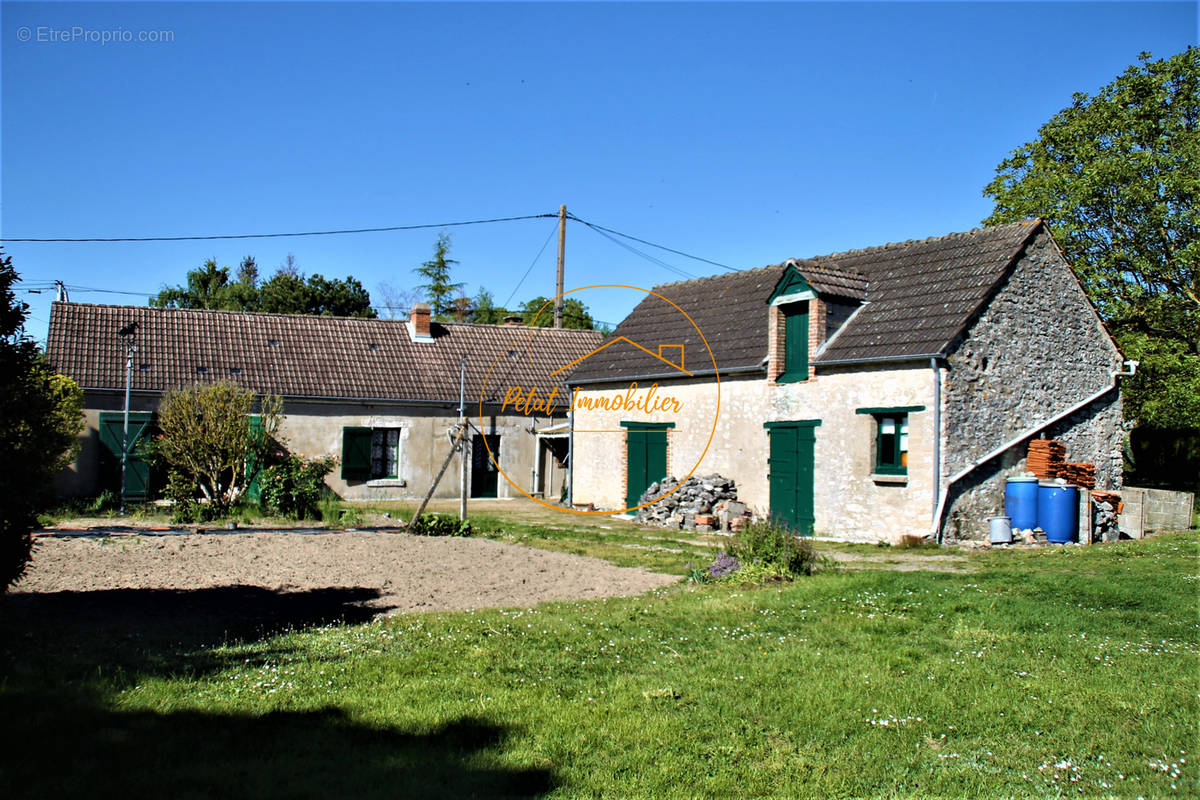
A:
(795, 358)
(253, 468)
(137, 471)
(356, 454)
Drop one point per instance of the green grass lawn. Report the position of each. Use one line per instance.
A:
(1064, 672)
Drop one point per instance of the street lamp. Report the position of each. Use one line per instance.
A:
(128, 336)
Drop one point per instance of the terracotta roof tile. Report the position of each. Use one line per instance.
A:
(304, 356)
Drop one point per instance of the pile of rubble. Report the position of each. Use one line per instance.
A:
(1105, 522)
(703, 503)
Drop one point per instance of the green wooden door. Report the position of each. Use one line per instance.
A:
(790, 473)
(137, 471)
(646, 451)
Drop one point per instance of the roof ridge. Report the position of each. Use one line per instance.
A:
(736, 272)
(927, 240)
(226, 311)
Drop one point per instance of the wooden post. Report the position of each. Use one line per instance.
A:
(562, 245)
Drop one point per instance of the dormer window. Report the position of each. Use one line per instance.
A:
(790, 304)
(795, 342)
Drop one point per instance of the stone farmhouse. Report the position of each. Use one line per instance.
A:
(862, 395)
(381, 395)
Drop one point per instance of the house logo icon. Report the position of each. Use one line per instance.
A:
(673, 356)
(646, 393)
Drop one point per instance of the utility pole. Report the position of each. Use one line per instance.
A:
(462, 426)
(562, 246)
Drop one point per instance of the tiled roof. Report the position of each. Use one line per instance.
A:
(730, 310)
(829, 280)
(303, 356)
(920, 295)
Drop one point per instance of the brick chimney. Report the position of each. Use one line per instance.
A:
(418, 323)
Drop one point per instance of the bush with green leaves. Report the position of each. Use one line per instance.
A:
(294, 487)
(441, 525)
(210, 444)
(41, 415)
(770, 544)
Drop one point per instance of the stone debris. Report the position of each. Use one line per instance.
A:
(702, 503)
(1105, 523)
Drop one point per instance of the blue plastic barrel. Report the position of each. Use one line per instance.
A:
(1058, 512)
(1021, 502)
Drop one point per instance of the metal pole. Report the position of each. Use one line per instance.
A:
(129, 347)
(462, 424)
(570, 456)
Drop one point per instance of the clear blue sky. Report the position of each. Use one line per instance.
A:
(743, 133)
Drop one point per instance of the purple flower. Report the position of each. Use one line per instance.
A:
(723, 565)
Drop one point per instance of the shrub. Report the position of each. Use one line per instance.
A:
(441, 525)
(294, 487)
(209, 442)
(770, 544)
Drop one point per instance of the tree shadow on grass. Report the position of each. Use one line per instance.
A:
(63, 655)
(156, 631)
(82, 750)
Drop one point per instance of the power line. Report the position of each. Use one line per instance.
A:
(635, 251)
(279, 235)
(530, 267)
(652, 244)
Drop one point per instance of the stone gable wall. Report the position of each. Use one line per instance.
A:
(1037, 349)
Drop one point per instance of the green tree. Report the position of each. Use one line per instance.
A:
(1116, 177)
(42, 415)
(438, 287)
(287, 292)
(206, 288)
(539, 313)
(209, 443)
(485, 311)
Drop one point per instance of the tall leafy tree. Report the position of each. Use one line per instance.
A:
(1117, 176)
(484, 309)
(288, 291)
(438, 286)
(206, 287)
(539, 313)
(42, 414)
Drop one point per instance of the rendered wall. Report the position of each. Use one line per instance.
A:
(314, 429)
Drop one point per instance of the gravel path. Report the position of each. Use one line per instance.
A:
(400, 572)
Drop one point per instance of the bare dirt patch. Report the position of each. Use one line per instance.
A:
(396, 572)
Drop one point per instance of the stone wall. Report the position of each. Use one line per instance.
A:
(1036, 350)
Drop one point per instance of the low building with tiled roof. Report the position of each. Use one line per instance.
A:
(861, 395)
(378, 394)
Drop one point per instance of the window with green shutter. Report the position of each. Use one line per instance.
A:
(795, 342)
(891, 438)
(356, 454)
(370, 454)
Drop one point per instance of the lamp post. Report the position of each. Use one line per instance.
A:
(128, 336)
